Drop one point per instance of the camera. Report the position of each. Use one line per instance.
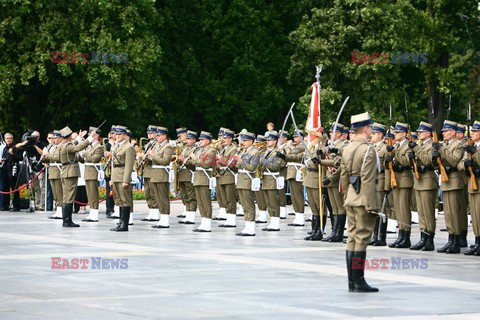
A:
(31, 140)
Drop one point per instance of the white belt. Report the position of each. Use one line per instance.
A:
(93, 164)
(245, 171)
(295, 164)
(271, 173)
(202, 169)
(160, 167)
(55, 165)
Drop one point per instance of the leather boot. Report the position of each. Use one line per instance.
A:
(382, 235)
(405, 243)
(399, 239)
(338, 237)
(429, 244)
(420, 244)
(359, 283)
(315, 226)
(67, 210)
(454, 248)
(317, 234)
(375, 233)
(474, 249)
(334, 221)
(119, 223)
(349, 255)
(462, 242)
(447, 245)
(124, 220)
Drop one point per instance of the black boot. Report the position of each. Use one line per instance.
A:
(429, 244)
(399, 239)
(375, 233)
(405, 243)
(121, 213)
(420, 244)
(462, 242)
(359, 283)
(454, 248)
(382, 236)
(475, 248)
(124, 220)
(447, 245)
(349, 256)
(334, 221)
(67, 210)
(338, 237)
(315, 227)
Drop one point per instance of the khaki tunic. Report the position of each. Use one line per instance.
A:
(204, 164)
(333, 172)
(123, 158)
(54, 173)
(70, 169)
(159, 178)
(403, 192)
(271, 165)
(226, 182)
(246, 166)
(187, 192)
(93, 154)
(474, 195)
(294, 159)
(147, 173)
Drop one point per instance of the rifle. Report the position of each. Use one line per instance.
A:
(393, 178)
(473, 181)
(443, 173)
(409, 134)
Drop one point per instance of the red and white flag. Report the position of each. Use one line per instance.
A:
(313, 120)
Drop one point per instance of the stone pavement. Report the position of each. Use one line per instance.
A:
(179, 274)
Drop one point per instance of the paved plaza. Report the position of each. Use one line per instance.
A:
(179, 274)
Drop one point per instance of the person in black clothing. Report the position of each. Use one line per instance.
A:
(110, 204)
(9, 179)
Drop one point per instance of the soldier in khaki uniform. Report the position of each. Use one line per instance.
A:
(272, 183)
(381, 189)
(52, 156)
(452, 154)
(402, 193)
(261, 145)
(358, 174)
(161, 155)
(92, 156)
(245, 162)
(204, 162)
(331, 182)
(463, 213)
(222, 203)
(123, 158)
(474, 195)
(426, 188)
(178, 149)
(70, 170)
(227, 178)
(294, 158)
(282, 144)
(185, 178)
(153, 212)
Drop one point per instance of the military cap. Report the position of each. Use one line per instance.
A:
(66, 132)
(378, 127)
(221, 130)
(449, 125)
(389, 135)
(283, 134)
(227, 133)
(90, 129)
(56, 133)
(360, 120)
(475, 126)
(461, 128)
(205, 135)
(400, 126)
(424, 126)
(247, 136)
(191, 134)
(272, 135)
(414, 135)
(121, 130)
(261, 138)
(298, 133)
(152, 129)
(162, 130)
(180, 131)
(340, 127)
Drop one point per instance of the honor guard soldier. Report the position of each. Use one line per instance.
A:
(382, 190)
(426, 188)
(463, 214)
(358, 174)
(179, 145)
(70, 170)
(472, 164)
(222, 213)
(161, 156)
(246, 173)
(93, 173)
(272, 183)
(185, 178)
(331, 182)
(402, 193)
(294, 158)
(261, 145)
(281, 145)
(153, 212)
(204, 162)
(52, 157)
(123, 158)
(109, 202)
(451, 153)
(227, 178)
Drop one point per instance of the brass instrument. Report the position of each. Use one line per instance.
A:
(141, 164)
(178, 151)
(260, 145)
(240, 150)
(216, 144)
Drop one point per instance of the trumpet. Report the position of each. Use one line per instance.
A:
(262, 145)
(216, 144)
